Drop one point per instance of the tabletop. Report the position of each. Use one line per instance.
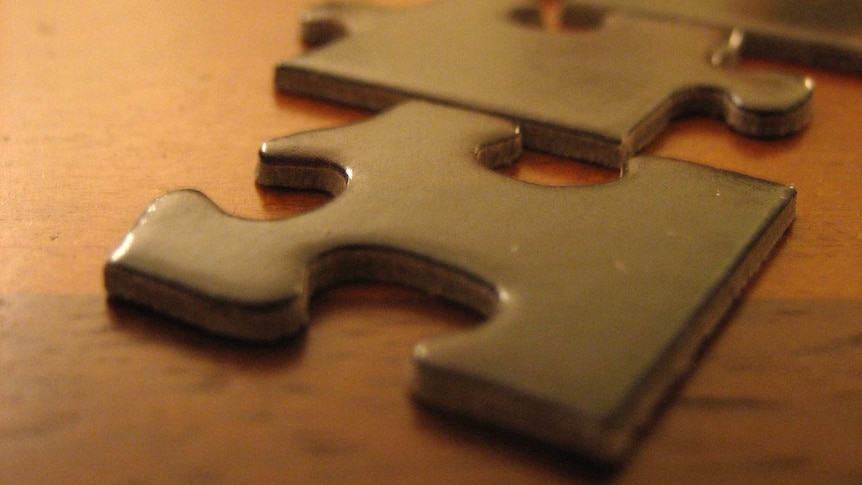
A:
(106, 105)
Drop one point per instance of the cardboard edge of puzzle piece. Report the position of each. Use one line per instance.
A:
(755, 104)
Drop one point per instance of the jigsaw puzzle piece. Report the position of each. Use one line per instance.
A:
(598, 95)
(825, 34)
(597, 298)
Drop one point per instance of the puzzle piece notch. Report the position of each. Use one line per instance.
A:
(819, 34)
(597, 298)
(598, 95)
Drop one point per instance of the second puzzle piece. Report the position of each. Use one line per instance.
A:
(597, 298)
(599, 94)
(820, 33)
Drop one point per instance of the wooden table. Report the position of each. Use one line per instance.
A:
(105, 105)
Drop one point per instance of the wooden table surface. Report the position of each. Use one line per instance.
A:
(105, 105)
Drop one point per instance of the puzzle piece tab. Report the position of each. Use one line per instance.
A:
(599, 94)
(826, 34)
(596, 297)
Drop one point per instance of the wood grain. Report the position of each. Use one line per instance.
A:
(107, 105)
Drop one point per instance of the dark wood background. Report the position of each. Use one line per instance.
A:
(105, 105)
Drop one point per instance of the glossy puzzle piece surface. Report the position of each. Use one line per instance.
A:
(825, 34)
(596, 297)
(599, 94)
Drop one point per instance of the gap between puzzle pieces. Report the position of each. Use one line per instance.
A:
(596, 298)
(599, 94)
